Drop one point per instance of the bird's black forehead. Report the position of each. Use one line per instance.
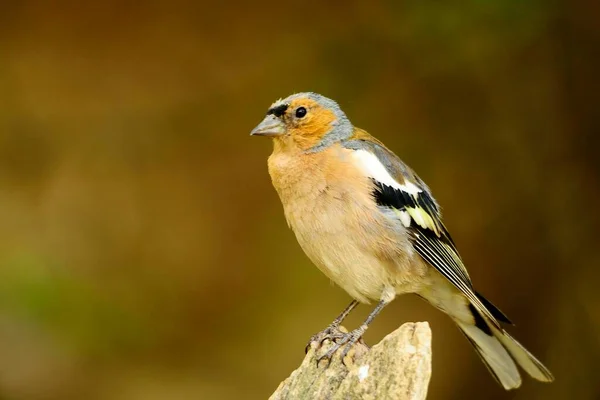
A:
(279, 110)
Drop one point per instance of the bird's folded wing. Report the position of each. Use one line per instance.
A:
(397, 187)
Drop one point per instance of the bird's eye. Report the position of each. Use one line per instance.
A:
(300, 112)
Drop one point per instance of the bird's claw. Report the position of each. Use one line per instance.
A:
(332, 333)
(348, 340)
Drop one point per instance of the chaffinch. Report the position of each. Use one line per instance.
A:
(370, 224)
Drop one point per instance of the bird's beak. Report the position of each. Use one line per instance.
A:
(270, 126)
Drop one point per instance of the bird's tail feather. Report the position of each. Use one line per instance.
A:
(524, 358)
(499, 351)
(493, 354)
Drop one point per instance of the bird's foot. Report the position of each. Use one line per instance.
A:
(333, 333)
(348, 340)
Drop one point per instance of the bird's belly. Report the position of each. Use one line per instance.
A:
(340, 228)
(360, 274)
(340, 239)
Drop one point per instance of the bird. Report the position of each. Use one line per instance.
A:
(372, 226)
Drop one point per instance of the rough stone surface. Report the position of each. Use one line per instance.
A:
(397, 368)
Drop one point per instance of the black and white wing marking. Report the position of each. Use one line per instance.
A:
(418, 212)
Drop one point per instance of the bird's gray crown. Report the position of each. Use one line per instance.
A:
(341, 127)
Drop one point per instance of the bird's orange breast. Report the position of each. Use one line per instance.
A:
(328, 203)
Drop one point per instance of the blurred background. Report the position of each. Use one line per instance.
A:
(144, 253)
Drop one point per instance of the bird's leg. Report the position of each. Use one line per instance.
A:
(350, 338)
(332, 332)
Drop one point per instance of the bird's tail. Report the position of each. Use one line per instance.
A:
(499, 352)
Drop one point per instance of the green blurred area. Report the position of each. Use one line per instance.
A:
(144, 253)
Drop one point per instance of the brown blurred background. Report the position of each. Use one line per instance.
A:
(144, 253)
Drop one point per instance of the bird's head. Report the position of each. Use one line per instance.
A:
(308, 121)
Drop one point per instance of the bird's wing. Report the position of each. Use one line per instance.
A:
(397, 187)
